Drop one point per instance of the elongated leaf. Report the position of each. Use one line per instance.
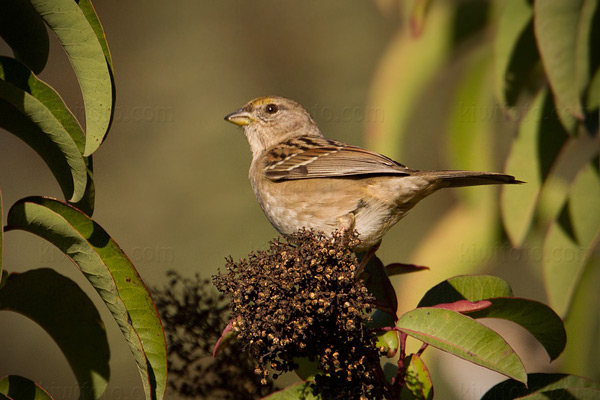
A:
(14, 121)
(379, 285)
(556, 25)
(43, 106)
(540, 383)
(59, 306)
(87, 202)
(400, 269)
(294, 392)
(90, 15)
(531, 157)
(593, 99)
(466, 287)
(470, 125)
(515, 51)
(585, 43)
(540, 320)
(582, 354)
(16, 387)
(227, 335)
(404, 72)
(307, 369)
(85, 52)
(573, 157)
(24, 31)
(388, 340)
(463, 337)
(20, 76)
(110, 272)
(417, 380)
(572, 238)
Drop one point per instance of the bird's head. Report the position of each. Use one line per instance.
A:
(270, 120)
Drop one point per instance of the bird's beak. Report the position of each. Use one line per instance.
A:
(239, 118)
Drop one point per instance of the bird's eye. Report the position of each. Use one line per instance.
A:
(271, 108)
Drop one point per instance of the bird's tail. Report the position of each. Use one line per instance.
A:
(471, 178)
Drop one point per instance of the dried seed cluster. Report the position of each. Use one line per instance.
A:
(300, 299)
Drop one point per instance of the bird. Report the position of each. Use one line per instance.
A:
(302, 179)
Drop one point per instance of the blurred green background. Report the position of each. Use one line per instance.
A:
(171, 178)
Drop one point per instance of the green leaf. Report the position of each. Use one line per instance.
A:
(572, 238)
(297, 391)
(585, 44)
(404, 72)
(539, 319)
(24, 31)
(531, 157)
(85, 52)
(470, 123)
(19, 388)
(21, 77)
(593, 99)
(515, 52)
(574, 155)
(59, 306)
(417, 380)
(463, 337)
(307, 369)
(556, 26)
(110, 272)
(86, 204)
(466, 287)
(90, 15)
(386, 339)
(43, 106)
(581, 355)
(540, 384)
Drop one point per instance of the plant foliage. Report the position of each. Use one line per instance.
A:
(33, 111)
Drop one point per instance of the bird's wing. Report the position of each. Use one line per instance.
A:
(317, 157)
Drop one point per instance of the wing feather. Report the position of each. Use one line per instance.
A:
(317, 157)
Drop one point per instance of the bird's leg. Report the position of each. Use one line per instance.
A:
(364, 260)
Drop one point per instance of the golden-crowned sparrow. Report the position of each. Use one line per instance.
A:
(301, 179)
